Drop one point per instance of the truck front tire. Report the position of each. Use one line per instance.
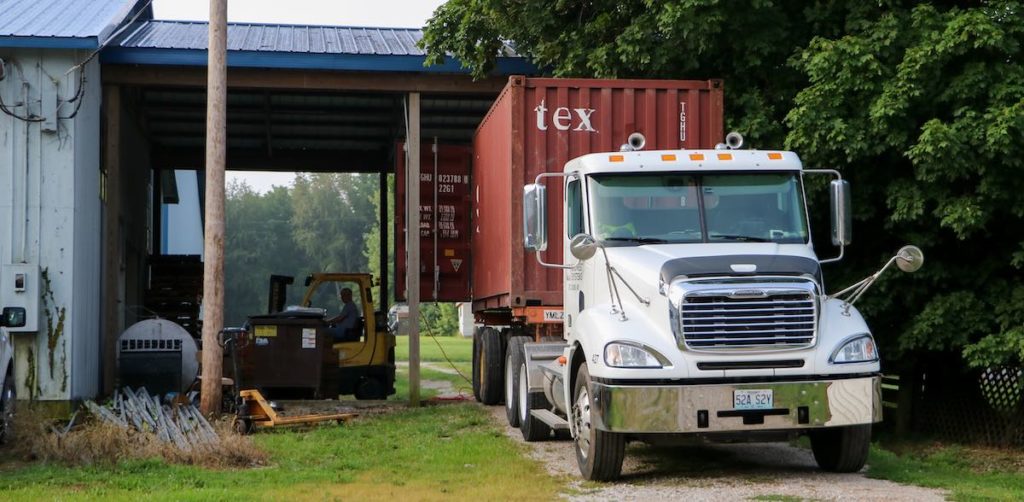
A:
(598, 453)
(514, 358)
(490, 367)
(841, 449)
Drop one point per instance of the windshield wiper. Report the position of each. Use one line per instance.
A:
(641, 240)
(744, 238)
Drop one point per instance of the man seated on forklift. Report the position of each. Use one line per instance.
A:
(345, 326)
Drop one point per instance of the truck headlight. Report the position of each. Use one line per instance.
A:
(629, 355)
(856, 349)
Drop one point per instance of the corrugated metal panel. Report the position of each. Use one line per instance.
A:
(62, 18)
(277, 38)
(536, 126)
(453, 216)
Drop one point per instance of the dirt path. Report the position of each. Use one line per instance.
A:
(774, 471)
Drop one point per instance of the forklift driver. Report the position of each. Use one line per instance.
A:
(344, 326)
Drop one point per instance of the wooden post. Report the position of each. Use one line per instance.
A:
(213, 240)
(412, 244)
(383, 244)
(111, 234)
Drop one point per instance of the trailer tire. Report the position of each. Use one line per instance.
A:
(514, 358)
(476, 364)
(599, 454)
(490, 369)
(841, 449)
(531, 427)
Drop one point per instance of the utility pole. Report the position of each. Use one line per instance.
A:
(412, 244)
(213, 233)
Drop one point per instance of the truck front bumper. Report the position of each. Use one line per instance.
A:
(709, 408)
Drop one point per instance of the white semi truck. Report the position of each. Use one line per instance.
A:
(694, 305)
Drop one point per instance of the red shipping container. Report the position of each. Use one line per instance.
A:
(536, 126)
(444, 225)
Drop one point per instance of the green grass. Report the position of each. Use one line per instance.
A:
(968, 474)
(441, 452)
(459, 349)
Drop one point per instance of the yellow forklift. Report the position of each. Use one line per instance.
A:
(294, 352)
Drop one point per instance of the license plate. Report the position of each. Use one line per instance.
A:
(753, 399)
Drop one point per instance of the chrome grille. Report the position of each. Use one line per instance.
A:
(763, 317)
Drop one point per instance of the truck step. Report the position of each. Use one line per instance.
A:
(554, 421)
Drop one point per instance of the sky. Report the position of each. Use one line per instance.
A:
(378, 13)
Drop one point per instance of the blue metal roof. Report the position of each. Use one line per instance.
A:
(184, 43)
(61, 24)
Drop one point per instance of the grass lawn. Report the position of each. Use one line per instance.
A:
(450, 452)
(968, 473)
(459, 349)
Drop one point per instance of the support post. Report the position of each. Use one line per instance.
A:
(111, 192)
(412, 244)
(213, 235)
(385, 302)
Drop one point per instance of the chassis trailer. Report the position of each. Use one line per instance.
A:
(694, 304)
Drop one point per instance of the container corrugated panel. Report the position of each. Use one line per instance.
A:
(444, 226)
(539, 124)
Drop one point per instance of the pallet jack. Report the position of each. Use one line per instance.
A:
(251, 409)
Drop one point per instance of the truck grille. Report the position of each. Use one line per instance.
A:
(767, 318)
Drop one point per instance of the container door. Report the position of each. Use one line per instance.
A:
(444, 226)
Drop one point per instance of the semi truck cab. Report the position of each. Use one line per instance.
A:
(695, 305)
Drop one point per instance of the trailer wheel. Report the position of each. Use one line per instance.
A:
(514, 358)
(7, 403)
(841, 449)
(492, 358)
(476, 364)
(532, 428)
(599, 453)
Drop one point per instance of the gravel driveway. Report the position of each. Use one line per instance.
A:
(772, 471)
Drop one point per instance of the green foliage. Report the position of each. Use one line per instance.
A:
(332, 214)
(432, 453)
(919, 104)
(258, 243)
(966, 474)
(371, 248)
(439, 319)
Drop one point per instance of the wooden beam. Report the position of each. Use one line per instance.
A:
(412, 244)
(213, 235)
(338, 161)
(253, 78)
(111, 196)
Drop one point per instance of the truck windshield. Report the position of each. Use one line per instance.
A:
(664, 208)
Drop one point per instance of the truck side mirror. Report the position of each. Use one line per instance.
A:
(583, 247)
(841, 214)
(535, 217)
(13, 317)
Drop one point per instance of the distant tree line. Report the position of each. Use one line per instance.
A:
(323, 223)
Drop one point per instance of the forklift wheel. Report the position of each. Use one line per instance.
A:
(243, 426)
(370, 388)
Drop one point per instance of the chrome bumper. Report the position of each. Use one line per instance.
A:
(709, 408)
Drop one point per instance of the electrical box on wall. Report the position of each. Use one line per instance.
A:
(19, 287)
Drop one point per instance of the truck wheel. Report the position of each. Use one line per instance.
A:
(598, 453)
(841, 449)
(492, 358)
(7, 400)
(514, 358)
(532, 428)
(476, 363)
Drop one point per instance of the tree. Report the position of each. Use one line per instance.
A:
(372, 246)
(258, 243)
(920, 104)
(332, 214)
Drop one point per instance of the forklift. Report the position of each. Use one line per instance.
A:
(292, 353)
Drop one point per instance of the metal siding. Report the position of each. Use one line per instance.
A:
(492, 222)
(62, 19)
(510, 151)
